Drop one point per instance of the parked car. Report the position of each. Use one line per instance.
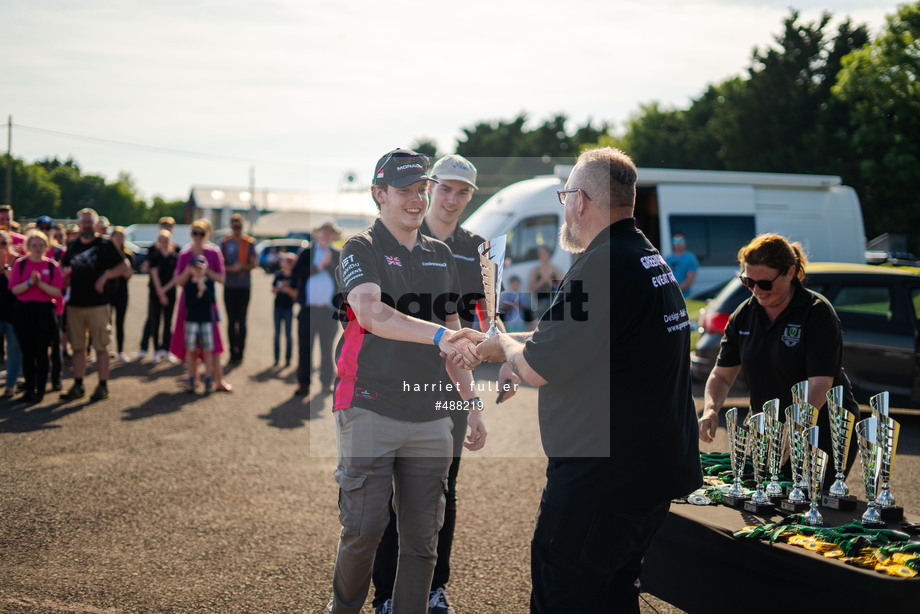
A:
(878, 309)
(268, 249)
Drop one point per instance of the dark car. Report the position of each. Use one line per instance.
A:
(878, 308)
(268, 251)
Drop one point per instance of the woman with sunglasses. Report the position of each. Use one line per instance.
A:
(783, 334)
(199, 232)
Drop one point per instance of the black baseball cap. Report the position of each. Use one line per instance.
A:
(402, 167)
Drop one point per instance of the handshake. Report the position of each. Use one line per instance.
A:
(466, 348)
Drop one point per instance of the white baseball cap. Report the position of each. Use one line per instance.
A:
(454, 167)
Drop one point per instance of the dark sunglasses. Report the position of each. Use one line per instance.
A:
(764, 284)
(197, 233)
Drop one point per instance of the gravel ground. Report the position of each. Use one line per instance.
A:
(160, 501)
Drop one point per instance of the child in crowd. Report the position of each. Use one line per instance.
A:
(285, 292)
(199, 335)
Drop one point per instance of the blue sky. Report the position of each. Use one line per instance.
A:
(306, 91)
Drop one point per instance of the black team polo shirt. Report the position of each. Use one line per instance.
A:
(397, 379)
(617, 417)
(804, 341)
(464, 245)
(87, 262)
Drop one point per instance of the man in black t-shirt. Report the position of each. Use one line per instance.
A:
(612, 359)
(89, 262)
(392, 428)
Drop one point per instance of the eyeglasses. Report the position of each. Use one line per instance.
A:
(764, 284)
(561, 194)
(197, 233)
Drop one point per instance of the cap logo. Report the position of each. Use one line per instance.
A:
(399, 169)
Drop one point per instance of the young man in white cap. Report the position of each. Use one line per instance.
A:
(456, 181)
(392, 426)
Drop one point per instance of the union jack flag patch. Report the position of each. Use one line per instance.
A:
(393, 260)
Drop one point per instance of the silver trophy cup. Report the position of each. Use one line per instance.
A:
(776, 437)
(737, 448)
(800, 393)
(759, 448)
(815, 464)
(492, 262)
(796, 426)
(842, 422)
(866, 434)
(887, 440)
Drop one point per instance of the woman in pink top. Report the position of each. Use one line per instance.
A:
(199, 232)
(36, 281)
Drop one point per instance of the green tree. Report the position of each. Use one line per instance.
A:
(33, 193)
(880, 84)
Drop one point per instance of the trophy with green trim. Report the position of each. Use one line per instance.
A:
(492, 263)
(887, 440)
(759, 447)
(798, 421)
(737, 448)
(814, 466)
(776, 436)
(869, 454)
(838, 496)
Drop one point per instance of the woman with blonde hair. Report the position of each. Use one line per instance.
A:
(36, 281)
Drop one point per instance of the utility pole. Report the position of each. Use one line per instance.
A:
(8, 200)
(252, 197)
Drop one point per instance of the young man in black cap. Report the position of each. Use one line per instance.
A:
(392, 427)
(615, 462)
(456, 181)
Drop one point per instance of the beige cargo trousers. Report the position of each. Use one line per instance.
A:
(379, 456)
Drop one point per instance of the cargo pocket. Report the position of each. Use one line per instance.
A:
(352, 495)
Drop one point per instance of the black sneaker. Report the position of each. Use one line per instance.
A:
(101, 392)
(384, 608)
(57, 385)
(76, 392)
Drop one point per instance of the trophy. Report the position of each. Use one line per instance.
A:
(775, 439)
(797, 424)
(838, 496)
(800, 393)
(887, 440)
(815, 464)
(492, 261)
(737, 447)
(866, 434)
(759, 448)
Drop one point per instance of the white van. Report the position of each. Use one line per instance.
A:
(718, 212)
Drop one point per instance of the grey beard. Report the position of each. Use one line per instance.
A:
(568, 241)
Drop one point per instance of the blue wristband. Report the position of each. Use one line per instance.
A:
(438, 335)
